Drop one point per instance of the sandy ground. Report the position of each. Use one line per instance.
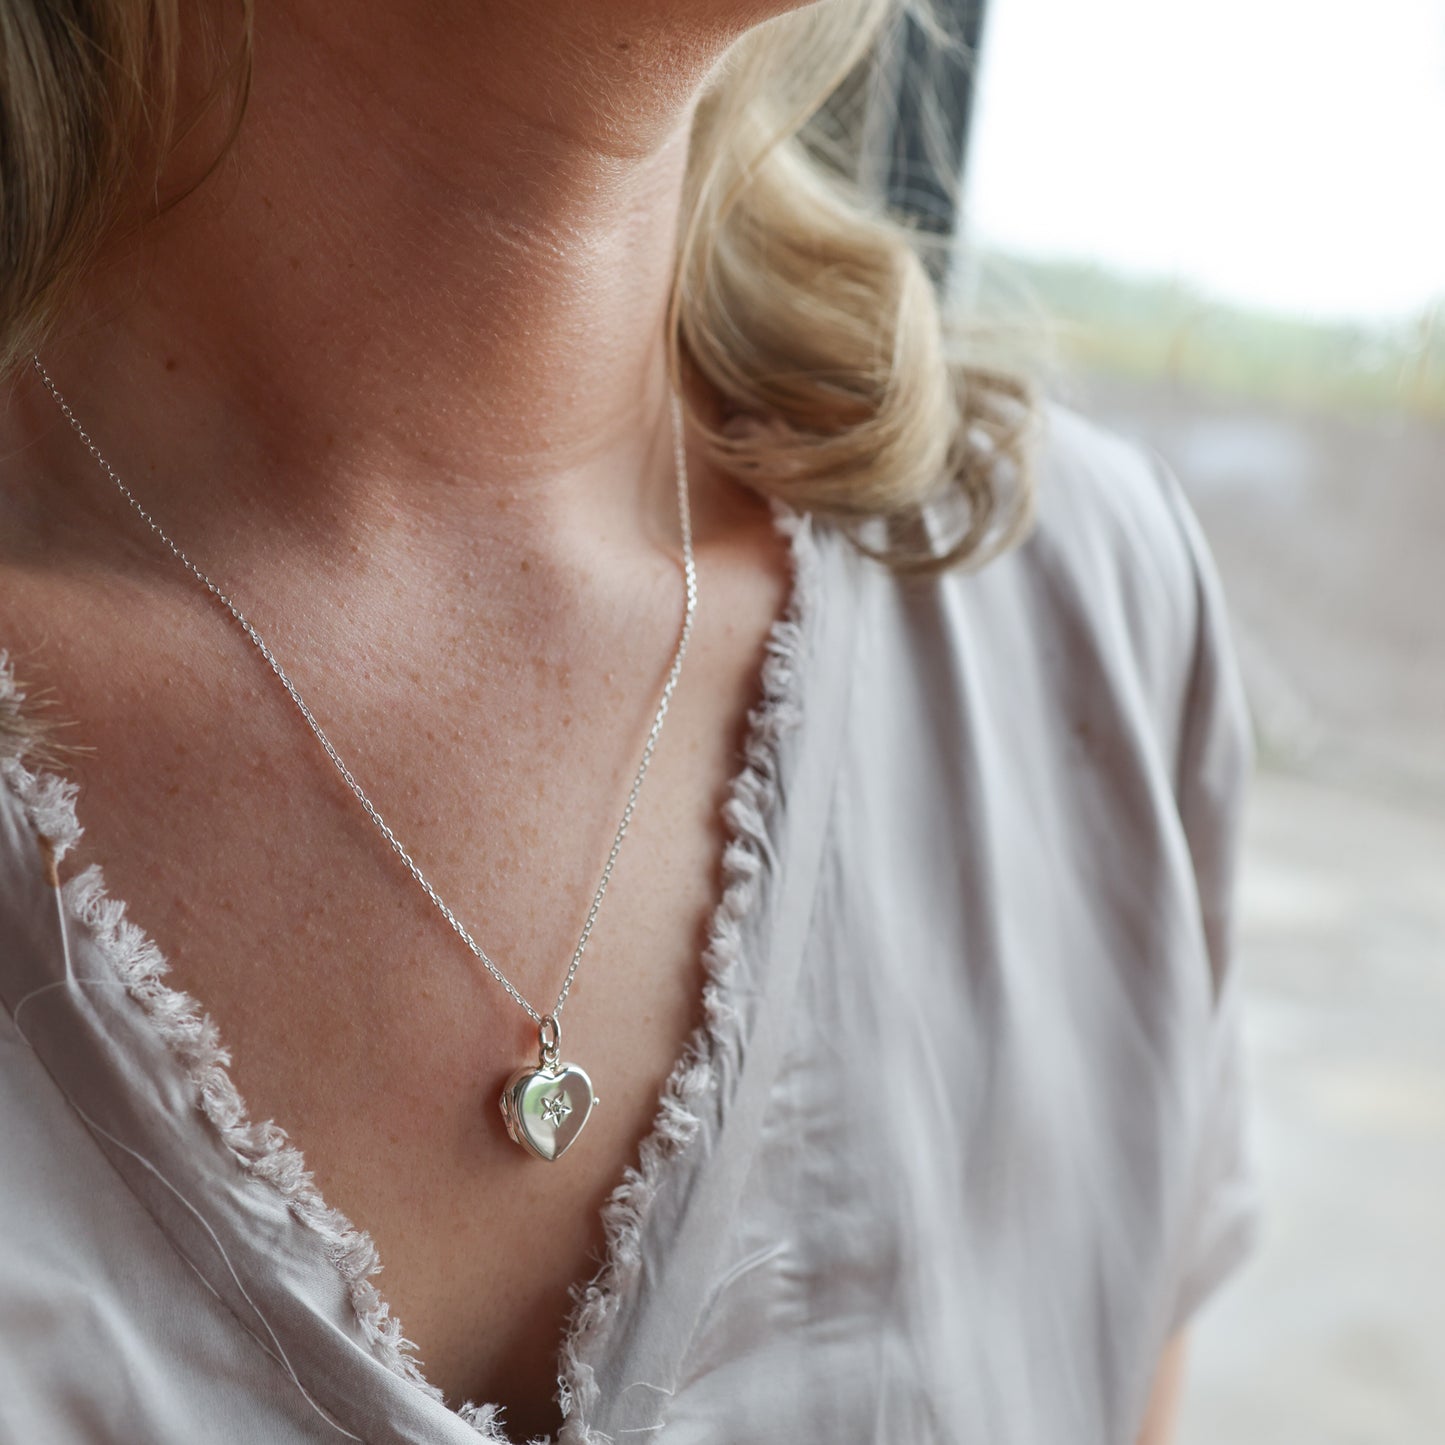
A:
(1328, 534)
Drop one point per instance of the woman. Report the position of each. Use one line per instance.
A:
(920, 929)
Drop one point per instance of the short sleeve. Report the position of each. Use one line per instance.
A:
(1215, 762)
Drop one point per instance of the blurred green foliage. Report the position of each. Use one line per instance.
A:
(1145, 327)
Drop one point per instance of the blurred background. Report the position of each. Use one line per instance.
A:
(1233, 214)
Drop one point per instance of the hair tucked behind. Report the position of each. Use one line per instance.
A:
(804, 304)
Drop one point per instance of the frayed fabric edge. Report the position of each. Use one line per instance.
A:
(263, 1149)
(751, 799)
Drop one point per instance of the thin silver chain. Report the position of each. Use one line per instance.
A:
(690, 574)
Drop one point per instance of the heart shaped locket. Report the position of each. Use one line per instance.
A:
(546, 1107)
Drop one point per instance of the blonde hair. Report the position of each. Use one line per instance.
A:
(848, 387)
(809, 307)
(806, 306)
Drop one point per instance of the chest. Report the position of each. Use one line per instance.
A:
(356, 1016)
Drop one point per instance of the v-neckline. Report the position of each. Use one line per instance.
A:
(172, 1037)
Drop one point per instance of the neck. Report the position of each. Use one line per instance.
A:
(431, 276)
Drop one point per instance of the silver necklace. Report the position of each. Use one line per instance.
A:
(546, 1105)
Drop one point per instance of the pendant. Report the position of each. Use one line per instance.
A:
(545, 1108)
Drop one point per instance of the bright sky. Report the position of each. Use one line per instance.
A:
(1287, 153)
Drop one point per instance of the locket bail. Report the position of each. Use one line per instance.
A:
(549, 1040)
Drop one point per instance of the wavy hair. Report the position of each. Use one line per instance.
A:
(848, 386)
(804, 302)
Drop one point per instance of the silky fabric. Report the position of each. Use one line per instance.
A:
(961, 1143)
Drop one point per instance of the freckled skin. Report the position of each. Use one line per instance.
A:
(355, 1018)
(395, 376)
(396, 379)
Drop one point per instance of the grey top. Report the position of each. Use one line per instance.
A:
(959, 1146)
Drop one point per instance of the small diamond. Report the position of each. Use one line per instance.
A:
(555, 1109)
